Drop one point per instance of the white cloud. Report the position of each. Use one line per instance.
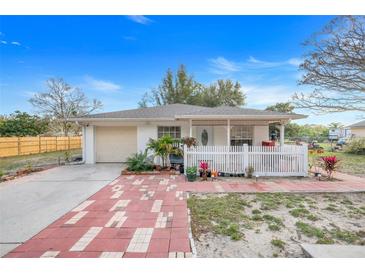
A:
(295, 61)
(255, 63)
(15, 43)
(3, 42)
(140, 19)
(101, 85)
(28, 94)
(221, 65)
(262, 96)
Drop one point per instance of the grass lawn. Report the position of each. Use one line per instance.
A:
(274, 224)
(12, 164)
(350, 163)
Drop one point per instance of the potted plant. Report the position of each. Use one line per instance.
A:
(249, 171)
(191, 173)
(314, 161)
(204, 170)
(189, 141)
(330, 164)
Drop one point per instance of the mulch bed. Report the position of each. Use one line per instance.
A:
(152, 172)
(24, 172)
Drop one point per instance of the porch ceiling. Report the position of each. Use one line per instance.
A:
(232, 122)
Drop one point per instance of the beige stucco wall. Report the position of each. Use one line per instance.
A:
(260, 133)
(220, 135)
(358, 131)
(102, 140)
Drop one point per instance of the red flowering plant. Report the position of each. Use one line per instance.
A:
(203, 166)
(330, 164)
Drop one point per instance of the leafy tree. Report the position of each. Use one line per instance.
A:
(290, 129)
(335, 66)
(23, 124)
(183, 88)
(61, 102)
(310, 132)
(335, 125)
(281, 107)
(223, 92)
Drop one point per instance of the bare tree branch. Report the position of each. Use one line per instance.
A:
(61, 102)
(335, 66)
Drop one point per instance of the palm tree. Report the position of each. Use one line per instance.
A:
(163, 147)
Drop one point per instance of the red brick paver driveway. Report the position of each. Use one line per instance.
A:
(145, 216)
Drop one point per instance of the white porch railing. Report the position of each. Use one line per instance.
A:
(287, 160)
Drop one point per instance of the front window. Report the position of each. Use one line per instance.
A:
(241, 135)
(174, 132)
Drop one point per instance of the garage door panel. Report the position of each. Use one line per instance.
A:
(115, 144)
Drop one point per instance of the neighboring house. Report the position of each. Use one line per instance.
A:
(113, 136)
(358, 129)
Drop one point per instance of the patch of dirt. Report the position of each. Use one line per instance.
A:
(278, 223)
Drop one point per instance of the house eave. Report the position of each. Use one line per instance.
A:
(119, 119)
(243, 117)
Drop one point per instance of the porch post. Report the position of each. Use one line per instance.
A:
(282, 133)
(228, 132)
(190, 128)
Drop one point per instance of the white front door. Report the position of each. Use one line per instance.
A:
(204, 135)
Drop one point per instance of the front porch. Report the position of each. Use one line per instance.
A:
(263, 161)
(235, 132)
(231, 146)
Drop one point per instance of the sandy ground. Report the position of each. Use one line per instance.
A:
(345, 212)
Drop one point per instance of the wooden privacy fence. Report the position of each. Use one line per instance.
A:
(14, 146)
(288, 160)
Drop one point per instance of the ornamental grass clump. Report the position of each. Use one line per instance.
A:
(330, 164)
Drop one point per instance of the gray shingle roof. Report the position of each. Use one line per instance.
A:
(167, 111)
(227, 110)
(180, 110)
(359, 124)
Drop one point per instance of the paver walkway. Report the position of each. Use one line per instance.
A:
(145, 216)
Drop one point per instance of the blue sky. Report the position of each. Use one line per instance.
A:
(118, 58)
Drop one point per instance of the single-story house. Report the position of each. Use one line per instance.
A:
(114, 136)
(358, 129)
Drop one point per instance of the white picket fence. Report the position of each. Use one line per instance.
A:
(287, 160)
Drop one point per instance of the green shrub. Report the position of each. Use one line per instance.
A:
(278, 243)
(67, 154)
(356, 146)
(274, 227)
(139, 162)
(191, 170)
(299, 212)
(309, 230)
(345, 235)
(191, 173)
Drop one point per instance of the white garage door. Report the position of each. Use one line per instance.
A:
(115, 144)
